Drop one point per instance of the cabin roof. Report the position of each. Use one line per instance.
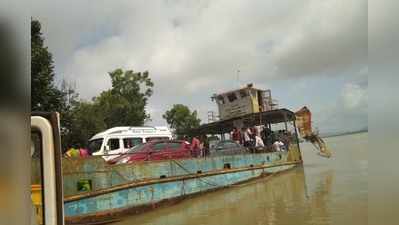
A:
(244, 88)
(253, 119)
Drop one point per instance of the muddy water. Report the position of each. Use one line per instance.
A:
(323, 191)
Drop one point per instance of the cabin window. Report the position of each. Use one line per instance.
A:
(113, 143)
(131, 142)
(220, 100)
(253, 93)
(232, 97)
(243, 93)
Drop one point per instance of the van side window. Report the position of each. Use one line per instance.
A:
(113, 143)
(131, 142)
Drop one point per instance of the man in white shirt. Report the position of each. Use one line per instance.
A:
(247, 137)
(259, 142)
(278, 146)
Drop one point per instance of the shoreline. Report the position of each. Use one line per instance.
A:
(344, 134)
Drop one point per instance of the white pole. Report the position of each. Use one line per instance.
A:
(238, 78)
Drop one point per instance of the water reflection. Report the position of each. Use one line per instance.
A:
(276, 200)
(322, 192)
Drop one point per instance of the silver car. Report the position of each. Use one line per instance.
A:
(227, 147)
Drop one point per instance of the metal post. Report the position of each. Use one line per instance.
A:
(238, 78)
(297, 140)
(285, 121)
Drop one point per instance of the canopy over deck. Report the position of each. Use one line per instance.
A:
(253, 119)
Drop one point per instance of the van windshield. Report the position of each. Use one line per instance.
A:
(95, 145)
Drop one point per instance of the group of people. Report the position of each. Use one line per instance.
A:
(77, 153)
(248, 137)
(199, 145)
(261, 136)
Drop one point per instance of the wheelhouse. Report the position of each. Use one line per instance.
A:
(243, 101)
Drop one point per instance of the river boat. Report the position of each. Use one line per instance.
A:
(96, 192)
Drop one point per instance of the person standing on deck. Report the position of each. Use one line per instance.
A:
(84, 153)
(267, 136)
(259, 142)
(195, 146)
(201, 148)
(278, 146)
(252, 135)
(72, 153)
(286, 140)
(236, 135)
(186, 139)
(205, 148)
(247, 137)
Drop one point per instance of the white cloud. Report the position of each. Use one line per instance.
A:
(354, 96)
(349, 112)
(194, 48)
(208, 39)
(331, 37)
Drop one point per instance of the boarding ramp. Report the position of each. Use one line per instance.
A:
(304, 124)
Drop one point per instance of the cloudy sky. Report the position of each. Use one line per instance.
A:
(309, 52)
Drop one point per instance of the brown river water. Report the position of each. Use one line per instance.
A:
(324, 191)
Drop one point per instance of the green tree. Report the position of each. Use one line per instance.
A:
(44, 94)
(87, 119)
(124, 104)
(180, 118)
(69, 104)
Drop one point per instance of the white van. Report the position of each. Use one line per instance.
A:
(118, 140)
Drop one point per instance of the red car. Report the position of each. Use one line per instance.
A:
(155, 150)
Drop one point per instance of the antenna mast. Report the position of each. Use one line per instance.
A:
(238, 78)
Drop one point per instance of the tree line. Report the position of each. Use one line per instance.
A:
(124, 104)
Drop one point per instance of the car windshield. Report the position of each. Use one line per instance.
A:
(95, 145)
(148, 139)
(136, 148)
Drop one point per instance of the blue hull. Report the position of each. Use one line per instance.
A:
(131, 188)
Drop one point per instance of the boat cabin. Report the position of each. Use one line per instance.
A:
(243, 101)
